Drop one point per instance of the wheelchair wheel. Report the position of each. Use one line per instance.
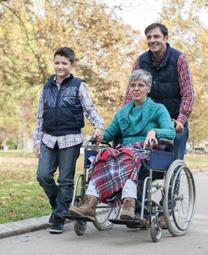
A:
(179, 200)
(80, 227)
(103, 213)
(155, 230)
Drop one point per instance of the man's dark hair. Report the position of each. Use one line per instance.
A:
(162, 28)
(66, 52)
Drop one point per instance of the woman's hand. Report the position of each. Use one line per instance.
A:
(98, 134)
(150, 139)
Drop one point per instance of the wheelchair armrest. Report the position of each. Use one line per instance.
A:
(165, 141)
(92, 142)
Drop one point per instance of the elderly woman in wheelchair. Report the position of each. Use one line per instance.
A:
(115, 172)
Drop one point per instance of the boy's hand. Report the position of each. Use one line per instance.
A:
(37, 150)
(150, 139)
(98, 134)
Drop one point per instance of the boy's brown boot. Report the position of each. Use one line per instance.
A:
(128, 209)
(87, 209)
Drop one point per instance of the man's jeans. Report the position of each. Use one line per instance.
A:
(60, 196)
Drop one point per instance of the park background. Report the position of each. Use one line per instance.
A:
(106, 47)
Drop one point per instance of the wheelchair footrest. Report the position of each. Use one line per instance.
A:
(135, 223)
(76, 217)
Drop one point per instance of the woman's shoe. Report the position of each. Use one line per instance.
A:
(87, 209)
(128, 210)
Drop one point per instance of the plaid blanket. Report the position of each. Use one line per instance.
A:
(111, 168)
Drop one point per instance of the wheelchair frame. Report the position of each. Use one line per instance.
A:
(178, 197)
(178, 205)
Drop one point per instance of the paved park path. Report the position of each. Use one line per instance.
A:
(119, 240)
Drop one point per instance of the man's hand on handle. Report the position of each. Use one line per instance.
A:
(178, 126)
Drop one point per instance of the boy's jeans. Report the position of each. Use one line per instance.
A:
(60, 194)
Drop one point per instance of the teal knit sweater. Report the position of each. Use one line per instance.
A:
(132, 123)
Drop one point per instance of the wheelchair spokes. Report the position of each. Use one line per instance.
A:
(179, 199)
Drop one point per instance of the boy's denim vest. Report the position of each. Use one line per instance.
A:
(62, 112)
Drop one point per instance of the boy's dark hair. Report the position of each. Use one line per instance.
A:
(66, 52)
(162, 28)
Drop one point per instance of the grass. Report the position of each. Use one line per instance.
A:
(197, 161)
(16, 154)
(22, 197)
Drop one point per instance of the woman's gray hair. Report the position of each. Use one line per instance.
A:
(142, 75)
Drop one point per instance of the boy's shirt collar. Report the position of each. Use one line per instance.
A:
(57, 83)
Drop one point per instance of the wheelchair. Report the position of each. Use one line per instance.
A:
(168, 191)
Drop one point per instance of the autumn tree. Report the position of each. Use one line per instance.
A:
(30, 31)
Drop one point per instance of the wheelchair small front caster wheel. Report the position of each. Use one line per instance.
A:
(80, 227)
(155, 230)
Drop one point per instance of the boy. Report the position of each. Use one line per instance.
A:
(63, 102)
